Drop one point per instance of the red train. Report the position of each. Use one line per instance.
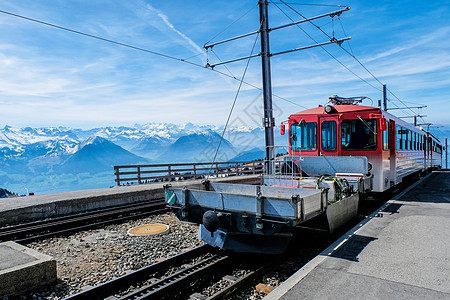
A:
(394, 148)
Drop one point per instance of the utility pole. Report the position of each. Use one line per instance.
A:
(384, 98)
(267, 84)
(268, 120)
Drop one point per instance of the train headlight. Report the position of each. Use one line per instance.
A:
(328, 109)
(369, 167)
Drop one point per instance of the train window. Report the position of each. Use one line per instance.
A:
(405, 138)
(386, 137)
(304, 136)
(328, 135)
(359, 134)
(410, 139)
(399, 137)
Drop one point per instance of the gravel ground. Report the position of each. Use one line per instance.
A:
(91, 257)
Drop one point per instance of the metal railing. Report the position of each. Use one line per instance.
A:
(132, 174)
(285, 169)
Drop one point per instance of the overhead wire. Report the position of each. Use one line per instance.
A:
(318, 27)
(141, 49)
(323, 48)
(225, 66)
(343, 30)
(346, 51)
(94, 36)
(222, 73)
(226, 28)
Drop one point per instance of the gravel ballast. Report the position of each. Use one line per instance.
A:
(91, 257)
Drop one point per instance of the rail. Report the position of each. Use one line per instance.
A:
(29, 232)
(183, 171)
(123, 283)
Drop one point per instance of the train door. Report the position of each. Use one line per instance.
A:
(329, 135)
(392, 153)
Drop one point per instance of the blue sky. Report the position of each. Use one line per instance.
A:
(50, 77)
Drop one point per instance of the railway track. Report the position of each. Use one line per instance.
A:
(238, 284)
(166, 285)
(171, 285)
(29, 232)
(179, 276)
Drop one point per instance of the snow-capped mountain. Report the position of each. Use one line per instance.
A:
(15, 141)
(97, 155)
(55, 159)
(55, 140)
(197, 147)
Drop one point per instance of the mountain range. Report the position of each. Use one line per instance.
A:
(54, 159)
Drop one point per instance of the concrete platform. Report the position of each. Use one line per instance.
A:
(38, 207)
(23, 269)
(402, 251)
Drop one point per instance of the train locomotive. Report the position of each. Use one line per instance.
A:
(336, 153)
(394, 148)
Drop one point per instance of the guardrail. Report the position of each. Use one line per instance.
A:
(183, 171)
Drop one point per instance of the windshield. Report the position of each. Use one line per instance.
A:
(304, 136)
(359, 134)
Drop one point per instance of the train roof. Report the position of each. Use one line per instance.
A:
(339, 109)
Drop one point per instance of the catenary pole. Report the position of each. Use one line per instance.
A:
(268, 119)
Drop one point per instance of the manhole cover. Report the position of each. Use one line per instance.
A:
(149, 229)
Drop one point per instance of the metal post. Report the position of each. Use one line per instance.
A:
(139, 174)
(384, 98)
(415, 121)
(266, 81)
(117, 171)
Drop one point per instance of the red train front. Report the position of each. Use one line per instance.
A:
(394, 148)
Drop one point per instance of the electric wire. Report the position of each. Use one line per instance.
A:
(234, 102)
(143, 50)
(346, 51)
(318, 27)
(403, 103)
(222, 73)
(323, 48)
(193, 56)
(343, 30)
(95, 37)
(225, 66)
(226, 28)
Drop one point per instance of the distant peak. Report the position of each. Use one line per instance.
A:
(94, 140)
